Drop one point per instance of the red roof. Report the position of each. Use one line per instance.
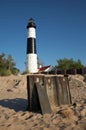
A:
(42, 69)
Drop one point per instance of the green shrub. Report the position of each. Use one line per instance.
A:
(4, 72)
(25, 72)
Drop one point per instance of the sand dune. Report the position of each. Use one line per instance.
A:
(13, 105)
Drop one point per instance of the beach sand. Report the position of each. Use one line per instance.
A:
(13, 105)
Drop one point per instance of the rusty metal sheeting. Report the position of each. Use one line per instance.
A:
(46, 92)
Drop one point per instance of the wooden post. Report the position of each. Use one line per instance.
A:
(46, 92)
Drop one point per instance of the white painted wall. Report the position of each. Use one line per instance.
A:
(31, 32)
(32, 66)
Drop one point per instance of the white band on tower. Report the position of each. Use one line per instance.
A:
(32, 63)
(31, 32)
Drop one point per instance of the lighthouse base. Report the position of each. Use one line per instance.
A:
(32, 63)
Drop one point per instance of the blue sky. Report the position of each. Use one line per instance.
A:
(61, 29)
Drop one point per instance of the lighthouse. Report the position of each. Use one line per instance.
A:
(31, 59)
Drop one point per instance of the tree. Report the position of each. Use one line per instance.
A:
(15, 71)
(78, 64)
(7, 65)
(66, 64)
(10, 62)
(2, 60)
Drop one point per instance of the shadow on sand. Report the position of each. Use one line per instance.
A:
(18, 104)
